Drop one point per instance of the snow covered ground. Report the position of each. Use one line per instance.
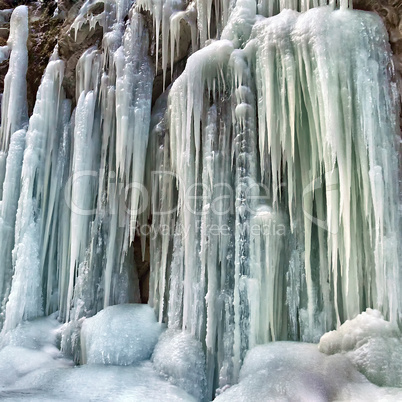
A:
(125, 363)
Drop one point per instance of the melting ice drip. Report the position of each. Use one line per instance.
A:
(276, 174)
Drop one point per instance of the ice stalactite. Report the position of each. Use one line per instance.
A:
(8, 213)
(114, 87)
(84, 170)
(14, 109)
(305, 245)
(268, 169)
(37, 215)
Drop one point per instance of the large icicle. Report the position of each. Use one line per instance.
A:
(8, 212)
(14, 108)
(35, 201)
(114, 88)
(325, 158)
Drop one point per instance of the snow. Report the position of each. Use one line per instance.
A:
(106, 383)
(120, 335)
(28, 348)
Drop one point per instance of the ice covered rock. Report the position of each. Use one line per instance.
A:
(288, 371)
(373, 345)
(120, 335)
(31, 346)
(354, 333)
(37, 334)
(70, 339)
(179, 357)
(379, 359)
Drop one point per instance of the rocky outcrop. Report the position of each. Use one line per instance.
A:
(391, 13)
(71, 47)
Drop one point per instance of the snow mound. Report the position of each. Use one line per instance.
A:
(354, 333)
(16, 362)
(293, 371)
(120, 335)
(29, 347)
(37, 334)
(179, 358)
(372, 344)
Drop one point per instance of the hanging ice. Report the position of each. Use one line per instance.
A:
(268, 171)
(37, 215)
(321, 161)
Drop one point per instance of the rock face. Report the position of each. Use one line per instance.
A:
(71, 48)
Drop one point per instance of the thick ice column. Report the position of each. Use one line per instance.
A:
(352, 156)
(35, 201)
(14, 113)
(246, 192)
(113, 121)
(14, 109)
(83, 184)
(8, 212)
(160, 183)
(134, 80)
(186, 111)
(267, 284)
(95, 75)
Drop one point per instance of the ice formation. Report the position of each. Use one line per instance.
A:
(372, 344)
(275, 240)
(283, 371)
(32, 368)
(264, 180)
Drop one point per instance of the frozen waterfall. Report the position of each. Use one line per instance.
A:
(263, 182)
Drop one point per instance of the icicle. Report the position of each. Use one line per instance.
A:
(14, 108)
(133, 107)
(11, 192)
(83, 183)
(35, 202)
(319, 163)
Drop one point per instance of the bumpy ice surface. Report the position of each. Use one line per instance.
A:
(120, 335)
